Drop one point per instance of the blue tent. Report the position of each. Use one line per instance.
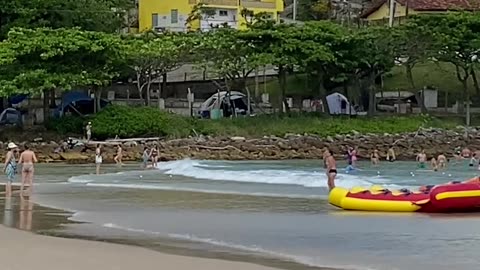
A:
(77, 102)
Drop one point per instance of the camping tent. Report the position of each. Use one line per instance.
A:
(339, 104)
(10, 116)
(238, 102)
(77, 102)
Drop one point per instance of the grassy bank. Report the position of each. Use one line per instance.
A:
(141, 122)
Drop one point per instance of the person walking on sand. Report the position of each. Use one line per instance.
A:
(442, 161)
(391, 154)
(98, 158)
(27, 159)
(331, 170)
(119, 156)
(10, 167)
(88, 129)
(421, 159)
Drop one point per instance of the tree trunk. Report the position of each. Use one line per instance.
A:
(147, 94)
(52, 98)
(282, 77)
(98, 99)
(371, 95)
(411, 81)
(475, 81)
(164, 85)
(464, 80)
(46, 106)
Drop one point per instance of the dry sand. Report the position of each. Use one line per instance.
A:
(20, 250)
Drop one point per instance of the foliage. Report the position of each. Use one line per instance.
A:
(99, 15)
(45, 59)
(67, 125)
(144, 121)
(151, 58)
(127, 122)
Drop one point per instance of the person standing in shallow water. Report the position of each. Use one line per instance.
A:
(98, 158)
(10, 167)
(119, 156)
(331, 170)
(27, 159)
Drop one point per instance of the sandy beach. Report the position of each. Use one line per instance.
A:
(23, 250)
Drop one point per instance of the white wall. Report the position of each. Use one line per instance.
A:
(165, 21)
(230, 18)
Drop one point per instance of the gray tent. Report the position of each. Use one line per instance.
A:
(237, 105)
(10, 116)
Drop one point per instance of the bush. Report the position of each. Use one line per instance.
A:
(67, 125)
(129, 122)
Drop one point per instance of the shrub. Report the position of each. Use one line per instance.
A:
(128, 122)
(67, 125)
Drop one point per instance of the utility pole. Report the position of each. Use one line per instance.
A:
(294, 10)
(391, 13)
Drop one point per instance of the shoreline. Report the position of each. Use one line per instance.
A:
(50, 224)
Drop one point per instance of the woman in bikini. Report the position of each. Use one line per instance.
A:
(98, 158)
(154, 156)
(331, 170)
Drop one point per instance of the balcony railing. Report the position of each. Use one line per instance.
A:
(215, 2)
(257, 4)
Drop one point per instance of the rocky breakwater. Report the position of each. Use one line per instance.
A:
(290, 146)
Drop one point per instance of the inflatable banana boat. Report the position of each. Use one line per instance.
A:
(449, 197)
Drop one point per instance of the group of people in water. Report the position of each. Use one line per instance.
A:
(15, 158)
(149, 155)
(436, 163)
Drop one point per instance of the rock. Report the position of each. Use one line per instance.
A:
(238, 139)
(330, 139)
(39, 139)
(73, 156)
(53, 144)
(130, 144)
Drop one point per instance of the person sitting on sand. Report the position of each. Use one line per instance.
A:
(421, 159)
(442, 161)
(331, 170)
(391, 154)
(375, 157)
(433, 164)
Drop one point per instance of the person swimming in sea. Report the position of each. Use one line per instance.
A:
(442, 161)
(375, 157)
(433, 164)
(391, 154)
(473, 160)
(421, 159)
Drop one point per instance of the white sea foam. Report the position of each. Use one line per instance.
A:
(306, 178)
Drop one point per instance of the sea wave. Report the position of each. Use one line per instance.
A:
(307, 178)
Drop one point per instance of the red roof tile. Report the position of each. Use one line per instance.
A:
(428, 5)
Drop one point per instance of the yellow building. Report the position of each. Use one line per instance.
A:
(172, 14)
(379, 12)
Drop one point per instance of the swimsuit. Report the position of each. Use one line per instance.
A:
(421, 165)
(332, 171)
(11, 170)
(28, 168)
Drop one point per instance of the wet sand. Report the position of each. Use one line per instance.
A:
(36, 236)
(23, 250)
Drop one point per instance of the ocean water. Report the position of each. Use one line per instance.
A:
(267, 208)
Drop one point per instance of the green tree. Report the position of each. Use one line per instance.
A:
(414, 43)
(42, 60)
(94, 15)
(152, 58)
